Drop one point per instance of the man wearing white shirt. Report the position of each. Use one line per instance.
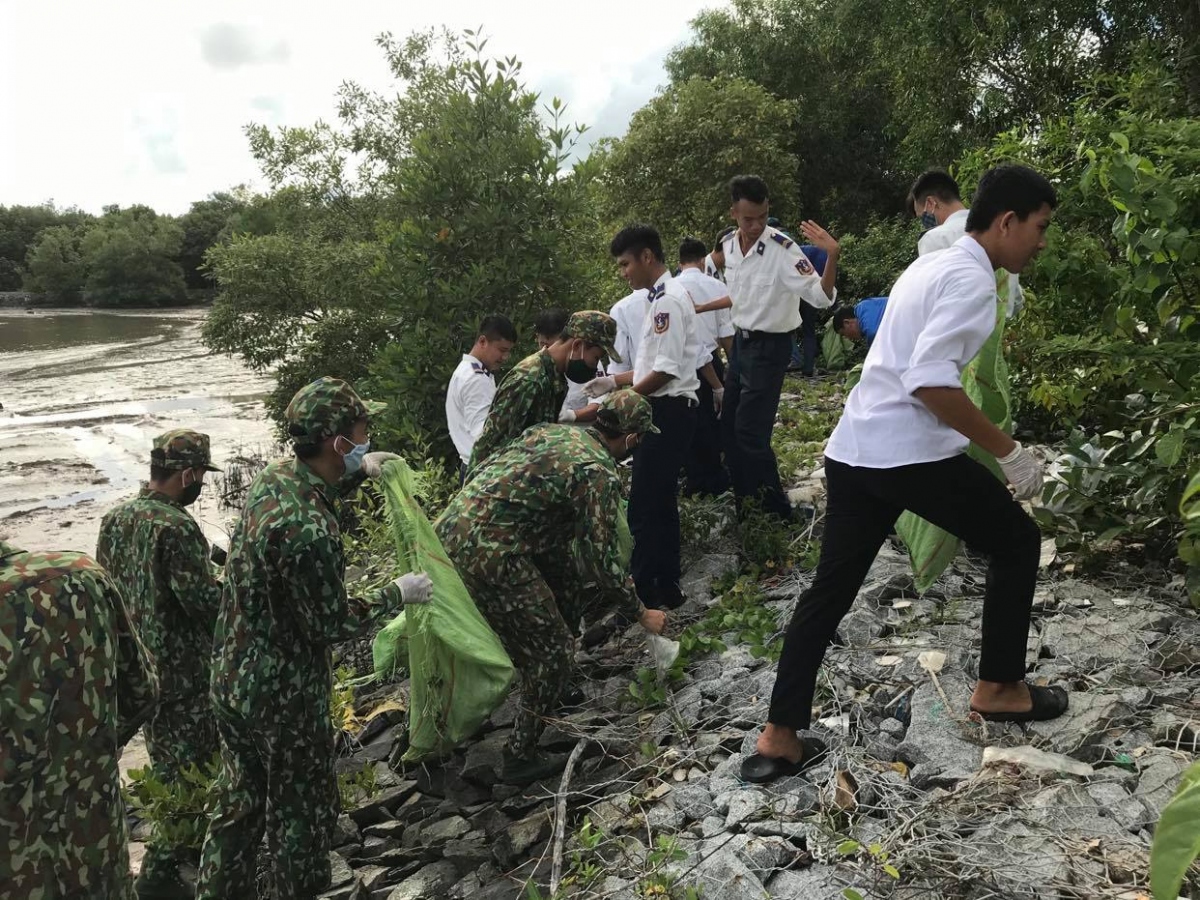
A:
(900, 445)
(473, 385)
(630, 315)
(936, 201)
(706, 473)
(665, 373)
(768, 277)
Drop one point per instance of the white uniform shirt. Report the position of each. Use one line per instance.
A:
(768, 284)
(630, 315)
(947, 234)
(669, 341)
(710, 326)
(939, 314)
(468, 399)
(711, 270)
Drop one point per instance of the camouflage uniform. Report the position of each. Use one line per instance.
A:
(283, 606)
(157, 554)
(552, 494)
(533, 392)
(73, 691)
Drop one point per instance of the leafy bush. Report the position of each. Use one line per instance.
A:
(176, 812)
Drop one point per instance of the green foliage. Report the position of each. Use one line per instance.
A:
(356, 788)
(54, 265)
(871, 263)
(176, 811)
(1176, 837)
(647, 689)
(130, 257)
(672, 166)
(205, 224)
(20, 227)
(740, 615)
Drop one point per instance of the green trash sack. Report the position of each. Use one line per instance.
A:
(389, 650)
(458, 669)
(985, 380)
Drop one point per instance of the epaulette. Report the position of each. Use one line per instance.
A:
(480, 368)
(782, 239)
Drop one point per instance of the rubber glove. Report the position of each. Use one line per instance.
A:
(567, 416)
(598, 387)
(1024, 473)
(372, 465)
(415, 587)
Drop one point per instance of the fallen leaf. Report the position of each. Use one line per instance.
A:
(901, 768)
(659, 792)
(889, 660)
(1049, 553)
(384, 707)
(932, 661)
(845, 795)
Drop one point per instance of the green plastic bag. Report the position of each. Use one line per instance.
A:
(389, 650)
(835, 349)
(458, 668)
(985, 379)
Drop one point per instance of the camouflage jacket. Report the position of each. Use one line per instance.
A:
(531, 394)
(284, 601)
(72, 692)
(157, 554)
(554, 492)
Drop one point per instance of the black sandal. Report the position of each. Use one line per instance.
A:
(759, 769)
(1048, 703)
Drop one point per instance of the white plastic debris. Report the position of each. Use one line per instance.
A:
(1033, 760)
(663, 651)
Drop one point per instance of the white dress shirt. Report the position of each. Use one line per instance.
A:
(630, 315)
(939, 314)
(468, 399)
(768, 283)
(947, 234)
(669, 341)
(712, 325)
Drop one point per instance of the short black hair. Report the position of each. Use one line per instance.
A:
(722, 234)
(551, 322)
(1009, 188)
(841, 317)
(497, 328)
(748, 187)
(159, 473)
(934, 183)
(636, 238)
(692, 250)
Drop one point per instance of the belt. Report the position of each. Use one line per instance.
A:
(747, 335)
(690, 401)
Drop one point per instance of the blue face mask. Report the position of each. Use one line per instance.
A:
(354, 459)
(928, 220)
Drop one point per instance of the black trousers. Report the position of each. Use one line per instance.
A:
(704, 468)
(958, 495)
(654, 498)
(808, 338)
(752, 388)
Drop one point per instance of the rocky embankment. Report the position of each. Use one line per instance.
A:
(915, 800)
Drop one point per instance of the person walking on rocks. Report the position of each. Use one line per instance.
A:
(900, 445)
(553, 494)
(157, 554)
(73, 691)
(534, 391)
(283, 606)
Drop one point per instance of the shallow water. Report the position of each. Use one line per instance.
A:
(83, 395)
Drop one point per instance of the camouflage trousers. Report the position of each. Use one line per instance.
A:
(519, 605)
(181, 733)
(276, 776)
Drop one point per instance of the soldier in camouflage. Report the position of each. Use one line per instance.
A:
(73, 691)
(554, 493)
(283, 606)
(534, 391)
(157, 554)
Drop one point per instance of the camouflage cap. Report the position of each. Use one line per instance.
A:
(182, 449)
(326, 407)
(628, 412)
(595, 327)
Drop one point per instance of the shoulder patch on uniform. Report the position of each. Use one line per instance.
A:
(782, 239)
(803, 266)
(662, 322)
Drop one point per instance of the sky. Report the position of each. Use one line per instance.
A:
(136, 102)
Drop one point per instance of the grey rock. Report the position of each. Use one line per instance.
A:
(798, 833)
(374, 847)
(1160, 771)
(791, 798)
(445, 830)
(1070, 809)
(696, 582)
(712, 826)
(664, 817)
(1126, 810)
(1095, 641)
(723, 876)
(815, 883)
(393, 829)
(342, 873)
(380, 807)
(892, 728)
(351, 891)
(693, 800)
(431, 883)
(484, 759)
(372, 877)
(613, 888)
(883, 747)
(468, 852)
(512, 844)
(744, 806)
(345, 831)
(613, 813)
(1082, 726)
(935, 746)
(764, 854)
(1013, 858)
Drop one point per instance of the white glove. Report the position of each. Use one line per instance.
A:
(372, 464)
(415, 587)
(718, 399)
(598, 387)
(567, 416)
(1023, 472)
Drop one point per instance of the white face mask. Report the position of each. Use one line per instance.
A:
(353, 459)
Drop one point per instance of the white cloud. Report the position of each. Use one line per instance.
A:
(146, 102)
